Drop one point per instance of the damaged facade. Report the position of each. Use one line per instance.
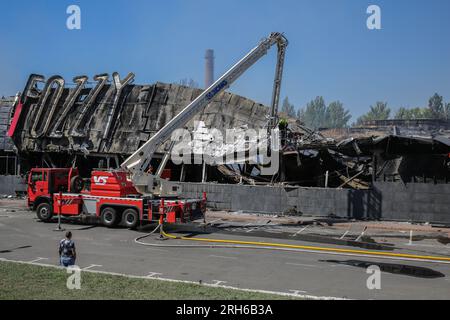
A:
(109, 121)
(100, 125)
(407, 151)
(385, 170)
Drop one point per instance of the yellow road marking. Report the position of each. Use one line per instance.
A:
(319, 249)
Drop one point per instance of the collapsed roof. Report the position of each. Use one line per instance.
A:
(106, 120)
(117, 118)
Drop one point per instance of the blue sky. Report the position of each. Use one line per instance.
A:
(331, 51)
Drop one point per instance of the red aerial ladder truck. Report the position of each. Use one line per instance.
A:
(132, 196)
(109, 197)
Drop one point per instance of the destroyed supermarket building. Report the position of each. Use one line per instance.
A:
(394, 171)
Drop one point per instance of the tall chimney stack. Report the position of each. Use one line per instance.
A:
(209, 68)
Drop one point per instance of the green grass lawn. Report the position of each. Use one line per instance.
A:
(21, 281)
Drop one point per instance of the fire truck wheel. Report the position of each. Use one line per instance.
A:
(44, 212)
(109, 217)
(76, 184)
(130, 218)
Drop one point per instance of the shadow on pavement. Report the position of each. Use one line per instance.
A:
(412, 271)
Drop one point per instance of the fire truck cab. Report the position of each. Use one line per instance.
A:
(108, 196)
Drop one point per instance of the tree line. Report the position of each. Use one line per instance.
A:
(317, 114)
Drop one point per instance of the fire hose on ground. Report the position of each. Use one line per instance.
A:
(238, 244)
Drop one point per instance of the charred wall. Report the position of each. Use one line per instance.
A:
(104, 119)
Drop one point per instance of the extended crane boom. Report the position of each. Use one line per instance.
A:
(139, 161)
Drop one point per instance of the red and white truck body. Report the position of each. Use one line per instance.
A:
(109, 197)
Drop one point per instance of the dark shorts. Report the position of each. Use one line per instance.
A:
(67, 261)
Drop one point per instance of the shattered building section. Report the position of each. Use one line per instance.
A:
(110, 121)
(404, 158)
(409, 153)
(99, 126)
(417, 127)
(404, 151)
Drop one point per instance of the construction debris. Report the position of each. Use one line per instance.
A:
(102, 125)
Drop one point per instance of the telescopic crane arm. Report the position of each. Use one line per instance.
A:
(277, 82)
(139, 161)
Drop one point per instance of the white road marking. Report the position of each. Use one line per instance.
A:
(410, 243)
(245, 227)
(297, 292)
(255, 228)
(302, 265)
(154, 275)
(222, 257)
(300, 231)
(261, 225)
(37, 259)
(362, 234)
(210, 223)
(92, 266)
(340, 265)
(218, 282)
(345, 233)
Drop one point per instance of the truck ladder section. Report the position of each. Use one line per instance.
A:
(138, 162)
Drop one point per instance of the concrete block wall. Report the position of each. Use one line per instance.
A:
(387, 201)
(415, 201)
(266, 199)
(9, 185)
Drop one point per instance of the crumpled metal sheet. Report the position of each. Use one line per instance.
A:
(141, 110)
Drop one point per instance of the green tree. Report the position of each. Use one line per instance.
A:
(412, 114)
(288, 108)
(336, 116)
(300, 114)
(436, 106)
(402, 114)
(314, 115)
(378, 112)
(447, 111)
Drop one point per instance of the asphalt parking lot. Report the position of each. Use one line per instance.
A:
(24, 238)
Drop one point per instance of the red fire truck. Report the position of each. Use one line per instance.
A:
(109, 196)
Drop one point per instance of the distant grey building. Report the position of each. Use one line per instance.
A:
(9, 164)
(12, 179)
(6, 104)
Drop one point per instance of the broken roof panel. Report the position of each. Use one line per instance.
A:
(106, 120)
